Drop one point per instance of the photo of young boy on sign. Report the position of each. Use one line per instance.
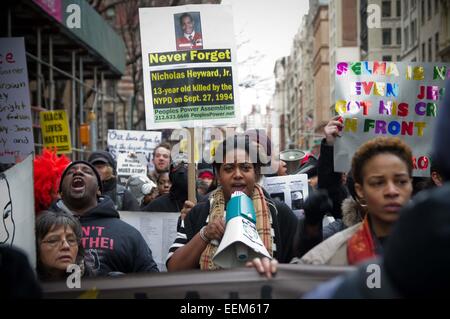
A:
(188, 31)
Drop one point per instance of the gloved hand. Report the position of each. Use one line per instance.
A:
(316, 206)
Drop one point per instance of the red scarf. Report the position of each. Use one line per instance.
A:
(360, 246)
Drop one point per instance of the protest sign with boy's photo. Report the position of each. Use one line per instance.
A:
(189, 74)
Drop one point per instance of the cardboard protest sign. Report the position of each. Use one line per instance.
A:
(291, 189)
(55, 131)
(189, 69)
(397, 99)
(16, 132)
(139, 142)
(17, 203)
(130, 164)
(158, 229)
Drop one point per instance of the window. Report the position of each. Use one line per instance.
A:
(430, 49)
(406, 38)
(436, 6)
(406, 7)
(436, 47)
(399, 8)
(399, 58)
(413, 4)
(413, 32)
(424, 57)
(422, 11)
(399, 36)
(386, 9)
(387, 58)
(429, 9)
(387, 37)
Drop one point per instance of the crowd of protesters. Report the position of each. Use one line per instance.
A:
(374, 209)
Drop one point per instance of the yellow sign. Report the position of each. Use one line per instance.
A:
(55, 131)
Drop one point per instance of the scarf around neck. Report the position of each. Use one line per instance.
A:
(263, 223)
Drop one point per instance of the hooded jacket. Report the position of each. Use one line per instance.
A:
(111, 245)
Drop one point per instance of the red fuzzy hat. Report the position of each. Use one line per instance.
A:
(48, 169)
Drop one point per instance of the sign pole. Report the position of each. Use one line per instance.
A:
(191, 167)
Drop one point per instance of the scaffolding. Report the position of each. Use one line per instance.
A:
(54, 56)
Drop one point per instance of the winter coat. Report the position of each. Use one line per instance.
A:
(305, 242)
(350, 216)
(110, 244)
(333, 250)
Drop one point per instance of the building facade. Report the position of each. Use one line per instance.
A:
(343, 21)
(425, 25)
(380, 42)
(321, 64)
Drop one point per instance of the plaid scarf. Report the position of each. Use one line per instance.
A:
(263, 223)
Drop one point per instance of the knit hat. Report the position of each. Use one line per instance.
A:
(140, 186)
(206, 175)
(205, 170)
(99, 181)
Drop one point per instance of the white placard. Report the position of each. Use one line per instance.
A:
(130, 164)
(139, 142)
(189, 82)
(291, 189)
(16, 131)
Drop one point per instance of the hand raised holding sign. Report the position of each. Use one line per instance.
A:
(332, 129)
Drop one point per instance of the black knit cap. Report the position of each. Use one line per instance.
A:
(417, 258)
(102, 156)
(99, 180)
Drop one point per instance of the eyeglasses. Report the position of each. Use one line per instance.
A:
(55, 242)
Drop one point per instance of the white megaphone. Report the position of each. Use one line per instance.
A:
(240, 242)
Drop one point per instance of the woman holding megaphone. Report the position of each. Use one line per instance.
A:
(237, 164)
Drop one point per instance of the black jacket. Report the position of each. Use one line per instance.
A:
(122, 198)
(111, 245)
(284, 223)
(167, 203)
(330, 180)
